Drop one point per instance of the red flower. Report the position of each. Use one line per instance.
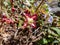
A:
(30, 20)
(13, 9)
(4, 15)
(7, 20)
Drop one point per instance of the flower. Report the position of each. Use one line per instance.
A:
(30, 20)
(50, 20)
(7, 20)
(4, 15)
(13, 9)
(36, 3)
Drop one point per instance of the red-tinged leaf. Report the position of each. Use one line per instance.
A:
(33, 25)
(25, 24)
(34, 17)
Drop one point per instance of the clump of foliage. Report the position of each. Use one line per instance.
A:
(28, 22)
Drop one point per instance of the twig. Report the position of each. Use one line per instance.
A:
(39, 37)
(16, 33)
(39, 5)
(1, 4)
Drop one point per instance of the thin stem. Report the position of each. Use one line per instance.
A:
(39, 5)
(1, 4)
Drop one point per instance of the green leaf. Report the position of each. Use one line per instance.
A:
(20, 23)
(42, 41)
(50, 39)
(56, 29)
(55, 41)
(58, 39)
(45, 41)
(52, 33)
(50, 36)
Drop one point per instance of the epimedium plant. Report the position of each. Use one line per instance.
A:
(33, 20)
